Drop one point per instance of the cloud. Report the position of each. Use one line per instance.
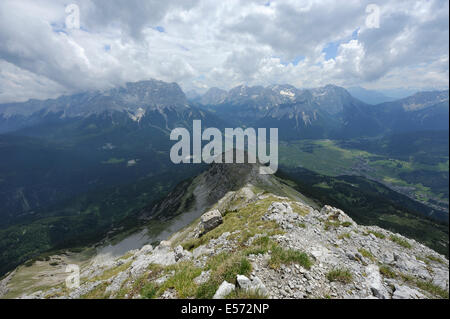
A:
(208, 43)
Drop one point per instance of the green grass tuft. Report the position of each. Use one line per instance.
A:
(288, 256)
(344, 235)
(149, 290)
(340, 275)
(400, 241)
(387, 272)
(377, 234)
(435, 259)
(224, 266)
(366, 253)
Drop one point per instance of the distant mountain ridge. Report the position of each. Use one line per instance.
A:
(323, 112)
(326, 112)
(149, 94)
(134, 99)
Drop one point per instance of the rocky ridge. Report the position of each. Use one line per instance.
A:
(254, 243)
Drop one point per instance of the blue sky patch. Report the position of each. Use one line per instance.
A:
(294, 61)
(331, 48)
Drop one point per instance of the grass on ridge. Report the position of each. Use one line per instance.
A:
(341, 275)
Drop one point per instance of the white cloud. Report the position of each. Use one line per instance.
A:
(208, 43)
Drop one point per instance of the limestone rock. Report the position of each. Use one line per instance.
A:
(254, 285)
(374, 282)
(203, 277)
(162, 255)
(224, 290)
(117, 282)
(146, 249)
(209, 221)
(405, 292)
(336, 214)
(181, 254)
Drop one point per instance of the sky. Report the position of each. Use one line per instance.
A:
(53, 47)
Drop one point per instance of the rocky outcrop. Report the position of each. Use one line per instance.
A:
(224, 290)
(375, 282)
(337, 215)
(209, 221)
(161, 255)
(405, 292)
(252, 286)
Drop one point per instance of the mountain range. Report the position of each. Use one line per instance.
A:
(326, 112)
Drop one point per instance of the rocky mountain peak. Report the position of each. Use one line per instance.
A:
(155, 93)
(132, 96)
(213, 96)
(423, 100)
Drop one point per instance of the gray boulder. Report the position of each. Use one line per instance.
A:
(405, 292)
(254, 285)
(181, 254)
(224, 290)
(209, 221)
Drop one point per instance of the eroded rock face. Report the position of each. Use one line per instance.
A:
(374, 282)
(117, 282)
(335, 214)
(161, 255)
(209, 221)
(4, 284)
(405, 292)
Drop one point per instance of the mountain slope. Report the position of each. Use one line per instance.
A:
(420, 112)
(60, 171)
(257, 237)
(89, 141)
(325, 112)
